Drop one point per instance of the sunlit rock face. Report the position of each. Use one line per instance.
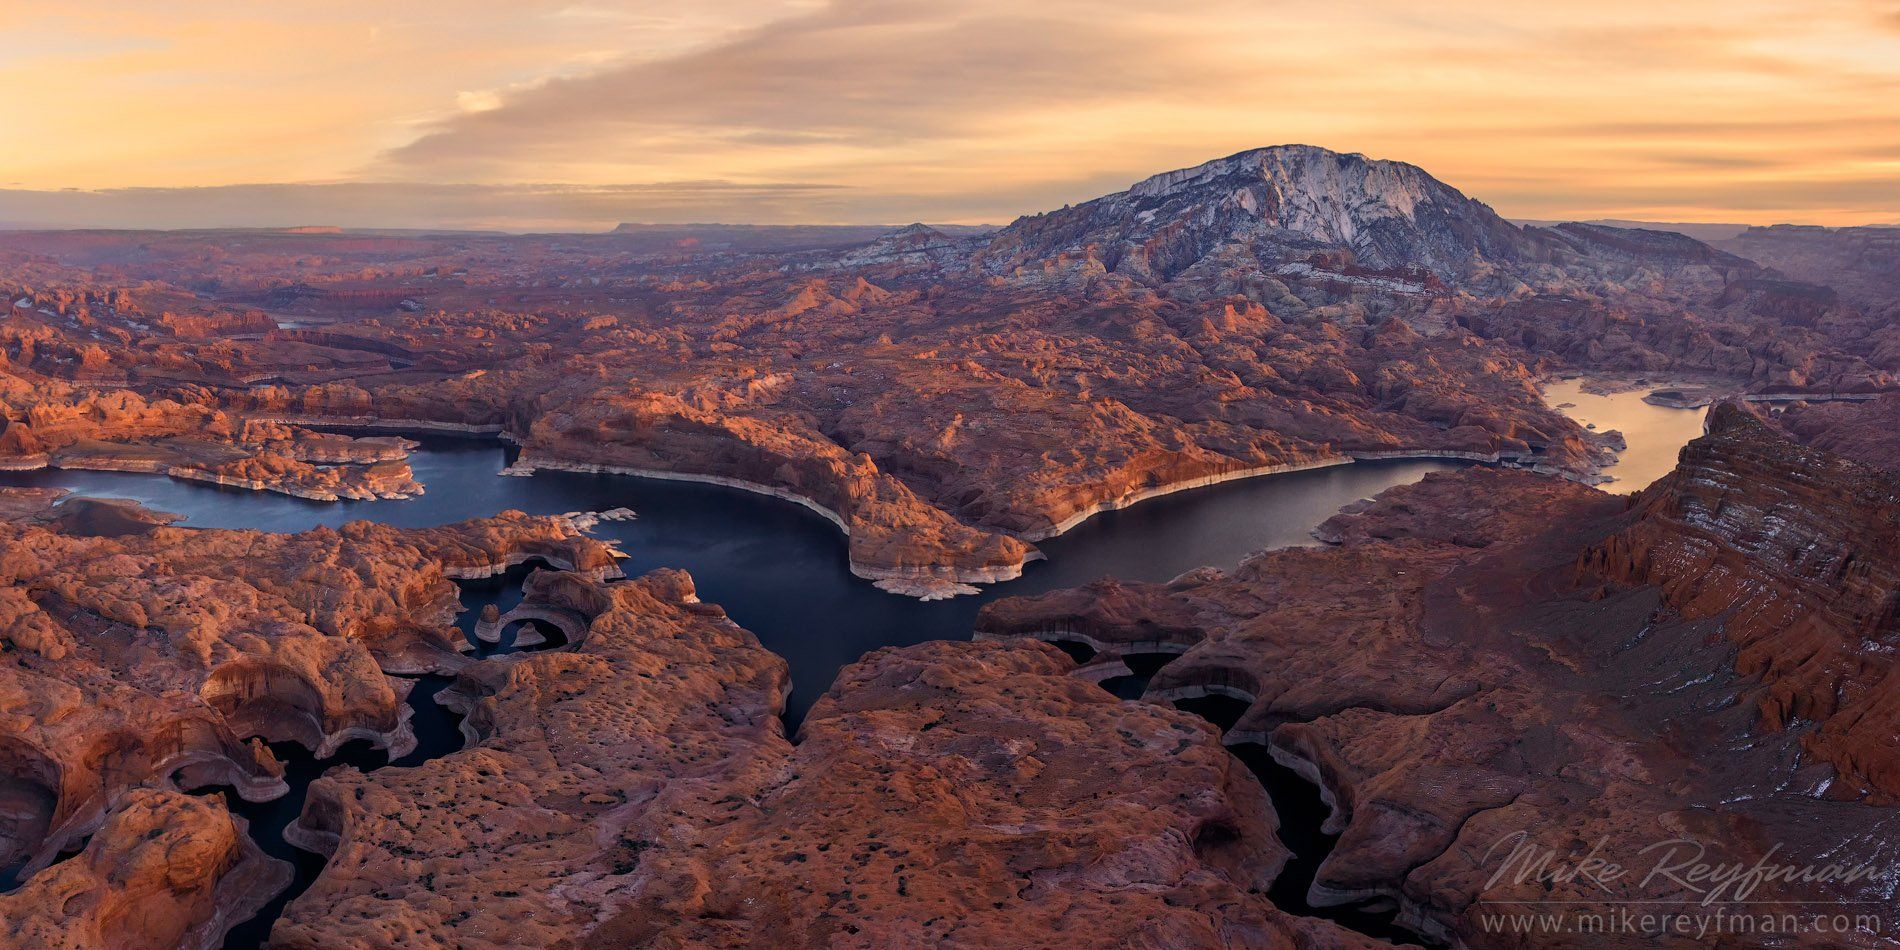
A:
(636, 789)
(56, 425)
(135, 656)
(1490, 657)
(165, 870)
(1796, 551)
(1483, 655)
(948, 398)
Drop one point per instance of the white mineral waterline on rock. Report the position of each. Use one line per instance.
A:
(526, 466)
(927, 582)
(1204, 481)
(377, 422)
(340, 493)
(924, 588)
(516, 558)
(586, 521)
(1811, 397)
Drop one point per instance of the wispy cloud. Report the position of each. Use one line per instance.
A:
(868, 75)
(409, 204)
(974, 110)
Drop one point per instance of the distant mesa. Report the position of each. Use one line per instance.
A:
(1701, 231)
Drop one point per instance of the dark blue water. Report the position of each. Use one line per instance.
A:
(438, 733)
(777, 568)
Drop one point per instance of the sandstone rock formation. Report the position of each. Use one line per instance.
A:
(167, 870)
(1483, 662)
(50, 425)
(1794, 550)
(1487, 657)
(1863, 263)
(636, 789)
(579, 761)
(1489, 661)
(948, 398)
(137, 656)
(1867, 432)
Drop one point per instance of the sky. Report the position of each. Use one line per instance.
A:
(562, 115)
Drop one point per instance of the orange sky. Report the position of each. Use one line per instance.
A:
(894, 110)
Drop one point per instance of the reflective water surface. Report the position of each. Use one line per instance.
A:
(1655, 434)
(777, 568)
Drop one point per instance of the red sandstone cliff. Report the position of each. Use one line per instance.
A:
(1489, 657)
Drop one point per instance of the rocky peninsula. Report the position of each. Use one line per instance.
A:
(948, 400)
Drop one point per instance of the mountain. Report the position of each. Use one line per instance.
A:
(1862, 263)
(1598, 244)
(911, 244)
(1700, 230)
(1287, 209)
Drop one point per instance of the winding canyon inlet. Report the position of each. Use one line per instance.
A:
(1224, 561)
(776, 569)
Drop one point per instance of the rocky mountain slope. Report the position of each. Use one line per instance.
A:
(1863, 263)
(1275, 207)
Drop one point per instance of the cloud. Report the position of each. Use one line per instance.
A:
(405, 205)
(857, 75)
(988, 99)
(1864, 199)
(977, 110)
(478, 100)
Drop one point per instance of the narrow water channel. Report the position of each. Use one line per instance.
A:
(1302, 811)
(778, 569)
(438, 733)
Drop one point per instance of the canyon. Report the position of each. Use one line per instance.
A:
(950, 399)
(1450, 629)
(1488, 657)
(1491, 649)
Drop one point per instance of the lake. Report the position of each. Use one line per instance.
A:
(1655, 434)
(777, 568)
